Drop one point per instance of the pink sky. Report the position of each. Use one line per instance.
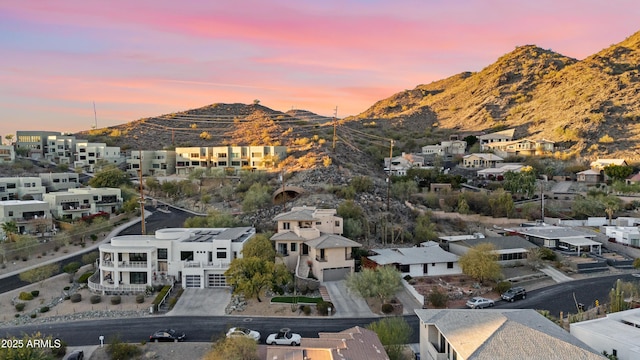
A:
(144, 58)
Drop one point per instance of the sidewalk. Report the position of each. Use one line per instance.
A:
(556, 275)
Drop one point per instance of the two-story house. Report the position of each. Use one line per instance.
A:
(77, 203)
(481, 160)
(21, 188)
(61, 149)
(30, 216)
(87, 155)
(195, 257)
(310, 239)
(519, 147)
(152, 163)
(400, 164)
(60, 181)
(7, 154)
(496, 137)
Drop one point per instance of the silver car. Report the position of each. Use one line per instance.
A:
(243, 332)
(479, 303)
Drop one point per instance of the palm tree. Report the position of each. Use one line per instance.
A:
(10, 228)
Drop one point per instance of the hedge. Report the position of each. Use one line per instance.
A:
(94, 299)
(161, 295)
(84, 278)
(115, 300)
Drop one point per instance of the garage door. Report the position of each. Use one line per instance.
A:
(335, 274)
(192, 281)
(216, 280)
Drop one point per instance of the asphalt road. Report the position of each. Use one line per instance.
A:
(197, 328)
(560, 297)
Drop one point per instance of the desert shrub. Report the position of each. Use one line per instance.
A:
(67, 288)
(44, 309)
(35, 293)
(161, 295)
(33, 315)
(323, 307)
(140, 298)
(115, 300)
(119, 350)
(20, 306)
(547, 254)
(306, 309)
(84, 278)
(387, 308)
(502, 286)
(25, 296)
(60, 351)
(438, 298)
(94, 299)
(75, 298)
(636, 263)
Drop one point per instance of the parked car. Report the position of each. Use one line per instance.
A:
(479, 303)
(243, 332)
(515, 293)
(167, 335)
(76, 355)
(284, 337)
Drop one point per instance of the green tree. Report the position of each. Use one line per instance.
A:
(361, 184)
(251, 275)
(352, 228)
(152, 184)
(425, 229)
(71, 269)
(402, 190)
(90, 258)
(523, 182)
(394, 333)
(40, 273)
(501, 204)
(261, 247)
(618, 172)
(349, 209)
(9, 138)
(110, 177)
(10, 228)
(26, 352)
(256, 197)
(234, 348)
(382, 282)
(481, 262)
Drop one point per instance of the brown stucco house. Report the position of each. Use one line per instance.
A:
(309, 241)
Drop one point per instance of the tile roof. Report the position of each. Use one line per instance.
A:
(286, 235)
(505, 334)
(330, 241)
(297, 214)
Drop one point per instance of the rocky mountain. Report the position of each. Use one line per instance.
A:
(589, 107)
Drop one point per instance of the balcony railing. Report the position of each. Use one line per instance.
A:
(95, 286)
(133, 264)
(210, 265)
(321, 259)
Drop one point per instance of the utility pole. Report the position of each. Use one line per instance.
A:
(335, 124)
(284, 193)
(389, 175)
(142, 223)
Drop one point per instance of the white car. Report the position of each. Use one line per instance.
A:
(284, 337)
(243, 332)
(479, 303)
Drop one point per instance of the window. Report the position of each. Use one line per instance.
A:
(450, 265)
(286, 225)
(337, 223)
(27, 185)
(186, 255)
(221, 253)
(403, 268)
(10, 213)
(138, 278)
(162, 254)
(138, 256)
(222, 155)
(425, 268)
(282, 249)
(294, 247)
(222, 163)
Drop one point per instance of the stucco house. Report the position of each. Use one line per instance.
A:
(499, 171)
(7, 154)
(429, 259)
(467, 334)
(496, 137)
(600, 164)
(309, 240)
(400, 164)
(511, 250)
(589, 176)
(618, 334)
(21, 188)
(481, 160)
(30, 216)
(527, 147)
(195, 257)
(76, 203)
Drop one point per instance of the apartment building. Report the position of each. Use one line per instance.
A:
(195, 257)
(189, 159)
(61, 149)
(77, 203)
(59, 181)
(30, 216)
(87, 155)
(311, 239)
(7, 154)
(152, 162)
(21, 188)
(34, 142)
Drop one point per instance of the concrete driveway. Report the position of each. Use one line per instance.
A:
(347, 303)
(208, 302)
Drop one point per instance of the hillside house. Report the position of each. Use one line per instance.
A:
(77, 203)
(30, 216)
(498, 171)
(600, 164)
(520, 147)
(511, 250)
(481, 160)
(496, 137)
(21, 188)
(589, 176)
(310, 240)
(399, 165)
(152, 163)
(195, 257)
